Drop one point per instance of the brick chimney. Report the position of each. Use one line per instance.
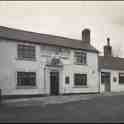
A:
(86, 35)
(108, 48)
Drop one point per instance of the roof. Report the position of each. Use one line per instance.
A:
(32, 37)
(115, 63)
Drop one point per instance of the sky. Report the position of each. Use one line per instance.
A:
(68, 19)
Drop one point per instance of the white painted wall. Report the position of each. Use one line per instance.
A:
(9, 65)
(115, 86)
(69, 68)
(92, 78)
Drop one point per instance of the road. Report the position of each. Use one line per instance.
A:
(97, 109)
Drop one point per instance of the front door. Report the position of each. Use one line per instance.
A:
(105, 76)
(54, 82)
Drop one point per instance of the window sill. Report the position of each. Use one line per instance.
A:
(80, 64)
(25, 59)
(121, 83)
(80, 86)
(26, 87)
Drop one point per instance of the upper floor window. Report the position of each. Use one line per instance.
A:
(26, 52)
(80, 58)
(121, 78)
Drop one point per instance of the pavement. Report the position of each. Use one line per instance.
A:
(105, 107)
(47, 100)
(55, 99)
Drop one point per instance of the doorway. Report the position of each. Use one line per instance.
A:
(54, 83)
(105, 79)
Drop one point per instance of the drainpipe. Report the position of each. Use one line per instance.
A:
(0, 96)
(98, 75)
(99, 79)
(44, 80)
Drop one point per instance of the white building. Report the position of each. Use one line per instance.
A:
(39, 64)
(111, 71)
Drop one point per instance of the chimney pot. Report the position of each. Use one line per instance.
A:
(108, 41)
(108, 48)
(86, 35)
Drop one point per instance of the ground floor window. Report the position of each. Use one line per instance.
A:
(26, 78)
(121, 78)
(80, 79)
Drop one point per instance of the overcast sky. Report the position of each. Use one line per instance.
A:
(68, 18)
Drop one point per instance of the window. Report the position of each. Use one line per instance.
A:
(80, 79)
(80, 58)
(67, 80)
(26, 78)
(26, 52)
(121, 78)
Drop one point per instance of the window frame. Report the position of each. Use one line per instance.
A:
(22, 54)
(82, 56)
(83, 84)
(26, 86)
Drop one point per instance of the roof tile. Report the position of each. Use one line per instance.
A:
(26, 36)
